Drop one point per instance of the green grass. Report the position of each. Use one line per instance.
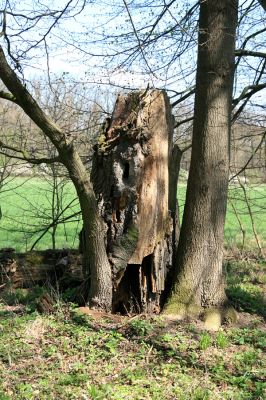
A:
(67, 355)
(233, 236)
(256, 195)
(27, 207)
(246, 286)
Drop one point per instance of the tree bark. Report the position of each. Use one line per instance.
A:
(97, 264)
(198, 278)
(263, 4)
(135, 182)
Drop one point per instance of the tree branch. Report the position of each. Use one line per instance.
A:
(24, 156)
(184, 121)
(248, 91)
(8, 96)
(25, 100)
(184, 97)
(249, 53)
(250, 158)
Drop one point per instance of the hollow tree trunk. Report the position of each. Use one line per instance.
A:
(130, 176)
(199, 278)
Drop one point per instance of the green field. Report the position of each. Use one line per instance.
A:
(256, 196)
(27, 210)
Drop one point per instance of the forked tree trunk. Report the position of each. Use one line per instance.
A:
(199, 278)
(131, 179)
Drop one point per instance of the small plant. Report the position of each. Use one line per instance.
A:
(205, 341)
(167, 338)
(221, 340)
(201, 394)
(26, 297)
(4, 396)
(140, 327)
(113, 341)
(25, 391)
(73, 379)
(246, 359)
(99, 392)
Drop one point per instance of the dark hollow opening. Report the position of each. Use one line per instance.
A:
(151, 296)
(127, 298)
(146, 271)
(126, 171)
(118, 216)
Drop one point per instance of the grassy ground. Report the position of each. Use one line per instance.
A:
(26, 207)
(68, 355)
(238, 213)
(27, 210)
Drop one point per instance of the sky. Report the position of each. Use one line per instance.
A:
(77, 46)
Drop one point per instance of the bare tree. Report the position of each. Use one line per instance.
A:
(98, 264)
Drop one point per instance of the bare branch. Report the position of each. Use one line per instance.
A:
(138, 39)
(248, 91)
(250, 158)
(25, 157)
(29, 105)
(8, 96)
(184, 121)
(184, 97)
(249, 53)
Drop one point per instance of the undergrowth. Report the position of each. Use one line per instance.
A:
(68, 355)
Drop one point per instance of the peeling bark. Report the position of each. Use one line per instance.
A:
(130, 176)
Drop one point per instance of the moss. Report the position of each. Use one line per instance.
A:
(103, 145)
(212, 319)
(101, 139)
(177, 307)
(134, 100)
(230, 315)
(174, 310)
(132, 234)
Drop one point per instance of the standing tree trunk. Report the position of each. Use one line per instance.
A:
(135, 184)
(199, 278)
(97, 264)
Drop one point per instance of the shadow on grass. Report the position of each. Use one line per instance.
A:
(242, 300)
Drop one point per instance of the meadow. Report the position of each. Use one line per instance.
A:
(27, 211)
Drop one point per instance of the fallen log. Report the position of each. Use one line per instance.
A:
(25, 270)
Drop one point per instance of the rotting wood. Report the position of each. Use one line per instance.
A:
(25, 270)
(131, 174)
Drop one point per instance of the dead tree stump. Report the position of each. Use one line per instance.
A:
(134, 185)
